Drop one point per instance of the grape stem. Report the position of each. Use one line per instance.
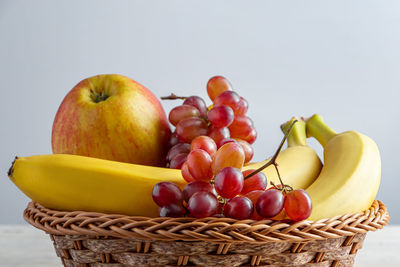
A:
(272, 161)
(173, 96)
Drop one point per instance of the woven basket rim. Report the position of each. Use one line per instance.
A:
(211, 229)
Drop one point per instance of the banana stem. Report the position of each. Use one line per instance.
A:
(297, 136)
(316, 128)
(272, 161)
(173, 96)
(11, 169)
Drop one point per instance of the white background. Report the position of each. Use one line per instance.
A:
(338, 58)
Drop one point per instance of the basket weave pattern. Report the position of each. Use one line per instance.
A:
(97, 239)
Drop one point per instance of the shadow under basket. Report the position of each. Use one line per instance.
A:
(110, 240)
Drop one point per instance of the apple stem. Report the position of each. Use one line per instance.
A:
(173, 96)
(272, 161)
(98, 97)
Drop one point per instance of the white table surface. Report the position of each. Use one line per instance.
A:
(24, 245)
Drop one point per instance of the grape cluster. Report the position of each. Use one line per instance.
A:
(210, 146)
(225, 121)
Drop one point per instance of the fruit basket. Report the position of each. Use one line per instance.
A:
(111, 240)
(99, 201)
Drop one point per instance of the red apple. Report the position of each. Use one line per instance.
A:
(112, 117)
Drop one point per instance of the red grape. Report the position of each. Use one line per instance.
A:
(228, 155)
(239, 208)
(204, 142)
(221, 116)
(197, 102)
(199, 165)
(182, 112)
(165, 193)
(228, 98)
(270, 203)
(251, 138)
(241, 127)
(229, 182)
(203, 204)
(197, 186)
(216, 85)
(178, 149)
(253, 196)
(218, 134)
(186, 174)
(177, 161)
(190, 128)
(281, 215)
(256, 182)
(242, 106)
(172, 210)
(248, 150)
(298, 205)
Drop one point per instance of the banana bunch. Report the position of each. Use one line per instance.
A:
(71, 182)
(350, 177)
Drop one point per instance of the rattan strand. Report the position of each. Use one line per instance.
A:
(216, 230)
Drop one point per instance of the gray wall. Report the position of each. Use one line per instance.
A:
(340, 59)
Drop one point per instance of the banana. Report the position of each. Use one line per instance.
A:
(71, 182)
(299, 165)
(350, 177)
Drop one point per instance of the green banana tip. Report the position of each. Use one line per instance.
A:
(315, 116)
(11, 169)
(286, 124)
(317, 128)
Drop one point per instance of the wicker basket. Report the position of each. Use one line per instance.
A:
(96, 239)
